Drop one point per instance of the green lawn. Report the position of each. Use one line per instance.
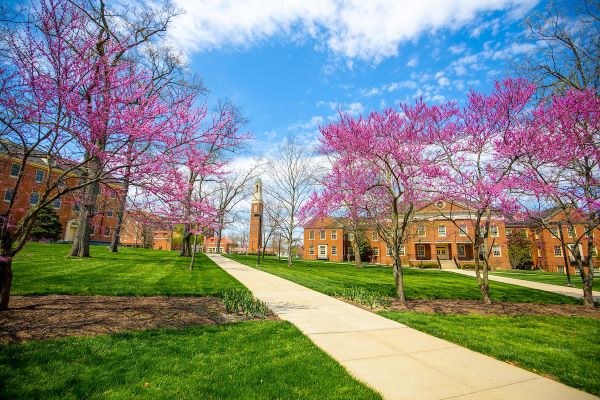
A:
(249, 360)
(47, 269)
(330, 278)
(552, 278)
(567, 348)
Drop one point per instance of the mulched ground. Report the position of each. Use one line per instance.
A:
(47, 317)
(464, 307)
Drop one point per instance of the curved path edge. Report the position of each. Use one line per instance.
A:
(397, 361)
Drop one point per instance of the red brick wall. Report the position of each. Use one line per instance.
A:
(328, 227)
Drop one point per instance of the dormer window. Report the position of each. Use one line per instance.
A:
(440, 204)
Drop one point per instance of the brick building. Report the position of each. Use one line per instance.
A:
(137, 230)
(256, 219)
(441, 233)
(547, 251)
(35, 177)
(210, 245)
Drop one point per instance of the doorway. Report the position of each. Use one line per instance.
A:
(442, 252)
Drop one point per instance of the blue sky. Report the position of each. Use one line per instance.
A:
(291, 65)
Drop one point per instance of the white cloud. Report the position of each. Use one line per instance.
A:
(413, 62)
(354, 29)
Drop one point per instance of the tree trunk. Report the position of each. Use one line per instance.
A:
(81, 242)
(114, 244)
(194, 250)
(289, 258)
(483, 282)
(6, 276)
(356, 250)
(399, 280)
(186, 242)
(219, 235)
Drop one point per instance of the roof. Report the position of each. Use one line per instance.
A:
(213, 240)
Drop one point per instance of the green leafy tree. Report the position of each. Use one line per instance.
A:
(519, 250)
(47, 225)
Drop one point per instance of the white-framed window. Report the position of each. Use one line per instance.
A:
(462, 250)
(56, 203)
(34, 199)
(442, 230)
(39, 176)
(496, 250)
(402, 250)
(388, 251)
(494, 231)
(311, 235)
(109, 213)
(463, 229)
(571, 231)
(539, 252)
(333, 235)
(376, 251)
(15, 169)
(323, 235)
(561, 270)
(351, 236)
(8, 195)
(554, 232)
(107, 231)
(374, 236)
(558, 251)
(440, 204)
(334, 250)
(508, 231)
(420, 250)
(421, 230)
(311, 250)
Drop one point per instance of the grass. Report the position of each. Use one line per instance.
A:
(330, 278)
(249, 360)
(47, 269)
(552, 278)
(564, 347)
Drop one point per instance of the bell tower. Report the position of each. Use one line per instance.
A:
(256, 215)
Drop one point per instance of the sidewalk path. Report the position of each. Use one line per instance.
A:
(397, 361)
(564, 290)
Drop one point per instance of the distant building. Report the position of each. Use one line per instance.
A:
(256, 219)
(210, 245)
(35, 177)
(138, 230)
(440, 236)
(547, 251)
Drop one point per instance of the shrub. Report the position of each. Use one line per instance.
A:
(427, 265)
(47, 225)
(365, 297)
(241, 301)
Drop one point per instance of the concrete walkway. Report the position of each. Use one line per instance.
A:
(397, 361)
(564, 290)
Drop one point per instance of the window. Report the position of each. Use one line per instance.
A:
(76, 207)
(463, 230)
(494, 231)
(557, 251)
(14, 170)
(421, 250)
(8, 195)
(388, 251)
(34, 199)
(537, 235)
(39, 176)
(322, 235)
(421, 230)
(311, 250)
(322, 250)
(311, 235)
(554, 232)
(376, 251)
(333, 235)
(109, 213)
(107, 231)
(374, 236)
(496, 251)
(402, 251)
(351, 236)
(595, 251)
(561, 270)
(56, 203)
(334, 250)
(113, 195)
(539, 252)
(442, 230)
(440, 204)
(508, 232)
(571, 231)
(462, 250)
